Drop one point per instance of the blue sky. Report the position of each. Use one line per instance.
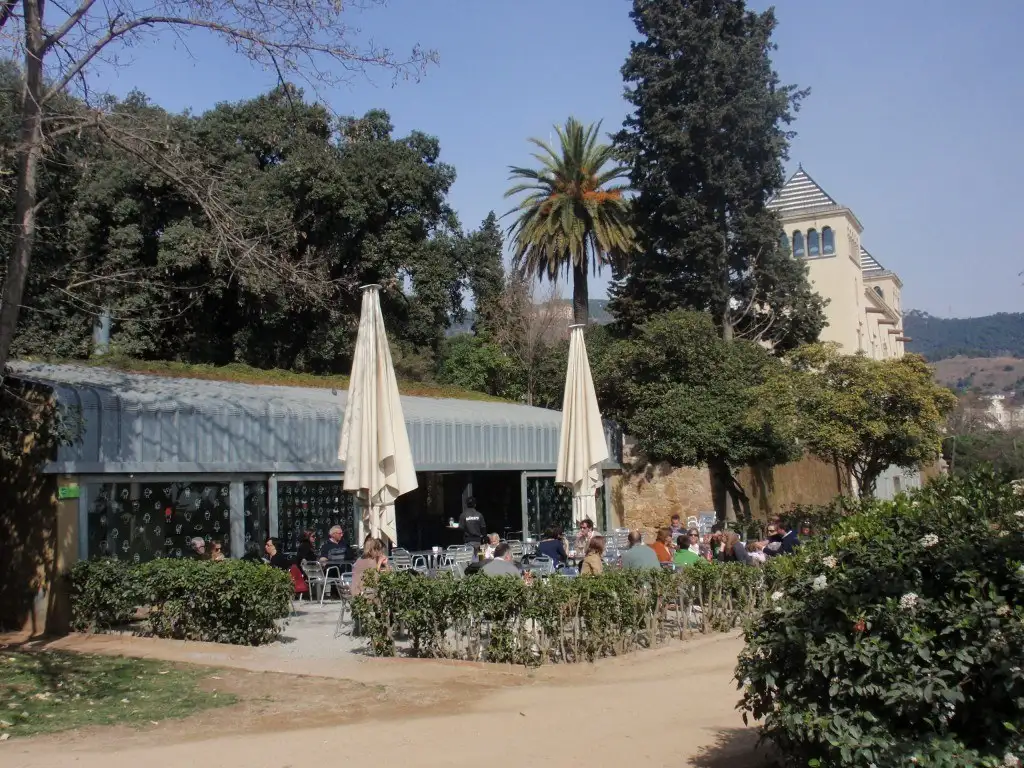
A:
(914, 120)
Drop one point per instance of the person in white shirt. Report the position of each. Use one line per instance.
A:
(490, 546)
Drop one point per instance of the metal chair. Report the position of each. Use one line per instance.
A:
(345, 590)
(542, 565)
(320, 578)
(516, 548)
(401, 559)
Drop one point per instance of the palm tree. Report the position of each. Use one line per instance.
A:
(575, 215)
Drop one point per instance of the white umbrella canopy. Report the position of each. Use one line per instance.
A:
(374, 441)
(583, 446)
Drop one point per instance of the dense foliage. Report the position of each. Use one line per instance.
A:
(229, 602)
(860, 414)
(690, 398)
(1001, 450)
(503, 619)
(706, 140)
(334, 203)
(898, 640)
(938, 338)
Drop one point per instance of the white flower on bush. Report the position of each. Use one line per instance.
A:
(960, 499)
(776, 596)
(819, 583)
(909, 601)
(1020, 570)
(1003, 610)
(829, 562)
(1018, 487)
(1019, 513)
(929, 540)
(1011, 761)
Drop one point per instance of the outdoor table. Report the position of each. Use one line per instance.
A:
(434, 559)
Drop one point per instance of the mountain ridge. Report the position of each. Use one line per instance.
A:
(942, 338)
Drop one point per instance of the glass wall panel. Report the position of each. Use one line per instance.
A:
(143, 521)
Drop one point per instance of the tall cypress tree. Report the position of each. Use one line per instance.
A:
(706, 141)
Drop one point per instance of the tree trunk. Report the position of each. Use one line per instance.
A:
(30, 148)
(722, 490)
(580, 295)
(725, 313)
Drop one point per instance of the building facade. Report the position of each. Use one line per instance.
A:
(864, 308)
(158, 461)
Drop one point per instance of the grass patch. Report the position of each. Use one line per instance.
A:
(52, 691)
(246, 374)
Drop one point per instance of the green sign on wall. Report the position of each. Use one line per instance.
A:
(67, 492)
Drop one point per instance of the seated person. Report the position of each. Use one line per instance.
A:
(334, 548)
(551, 546)
(639, 555)
(684, 555)
(274, 554)
(755, 552)
(663, 545)
(492, 542)
(374, 558)
(501, 564)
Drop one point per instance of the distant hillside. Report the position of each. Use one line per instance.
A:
(940, 338)
(987, 375)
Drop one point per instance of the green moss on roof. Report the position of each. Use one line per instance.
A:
(246, 374)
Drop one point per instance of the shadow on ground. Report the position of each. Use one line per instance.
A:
(735, 748)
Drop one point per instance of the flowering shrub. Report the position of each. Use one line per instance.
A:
(899, 640)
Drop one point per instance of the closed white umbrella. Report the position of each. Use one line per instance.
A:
(374, 441)
(583, 447)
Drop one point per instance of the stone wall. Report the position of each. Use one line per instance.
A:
(645, 496)
(808, 481)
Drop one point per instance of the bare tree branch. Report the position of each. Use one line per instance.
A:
(6, 11)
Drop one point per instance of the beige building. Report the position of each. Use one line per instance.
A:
(864, 308)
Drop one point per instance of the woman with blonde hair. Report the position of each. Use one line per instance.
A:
(593, 563)
(374, 558)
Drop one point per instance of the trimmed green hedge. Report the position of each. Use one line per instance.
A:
(555, 619)
(900, 639)
(228, 602)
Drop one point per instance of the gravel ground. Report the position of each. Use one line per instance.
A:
(309, 635)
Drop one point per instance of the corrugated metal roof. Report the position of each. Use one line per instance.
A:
(138, 423)
(801, 193)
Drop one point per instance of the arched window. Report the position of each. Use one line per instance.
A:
(784, 242)
(798, 244)
(879, 291)
(828, 241)
(813, 243)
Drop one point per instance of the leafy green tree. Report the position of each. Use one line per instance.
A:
(482, 257)
(574, 217)
(999, 449)
(860, 414)
(478, 364)
(688, 397)
(705, 141)
(61, 47)
(344, 203)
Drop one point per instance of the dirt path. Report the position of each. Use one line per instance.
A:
(673, 707)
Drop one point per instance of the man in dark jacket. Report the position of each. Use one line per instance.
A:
(471, 523)
(790, 540)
